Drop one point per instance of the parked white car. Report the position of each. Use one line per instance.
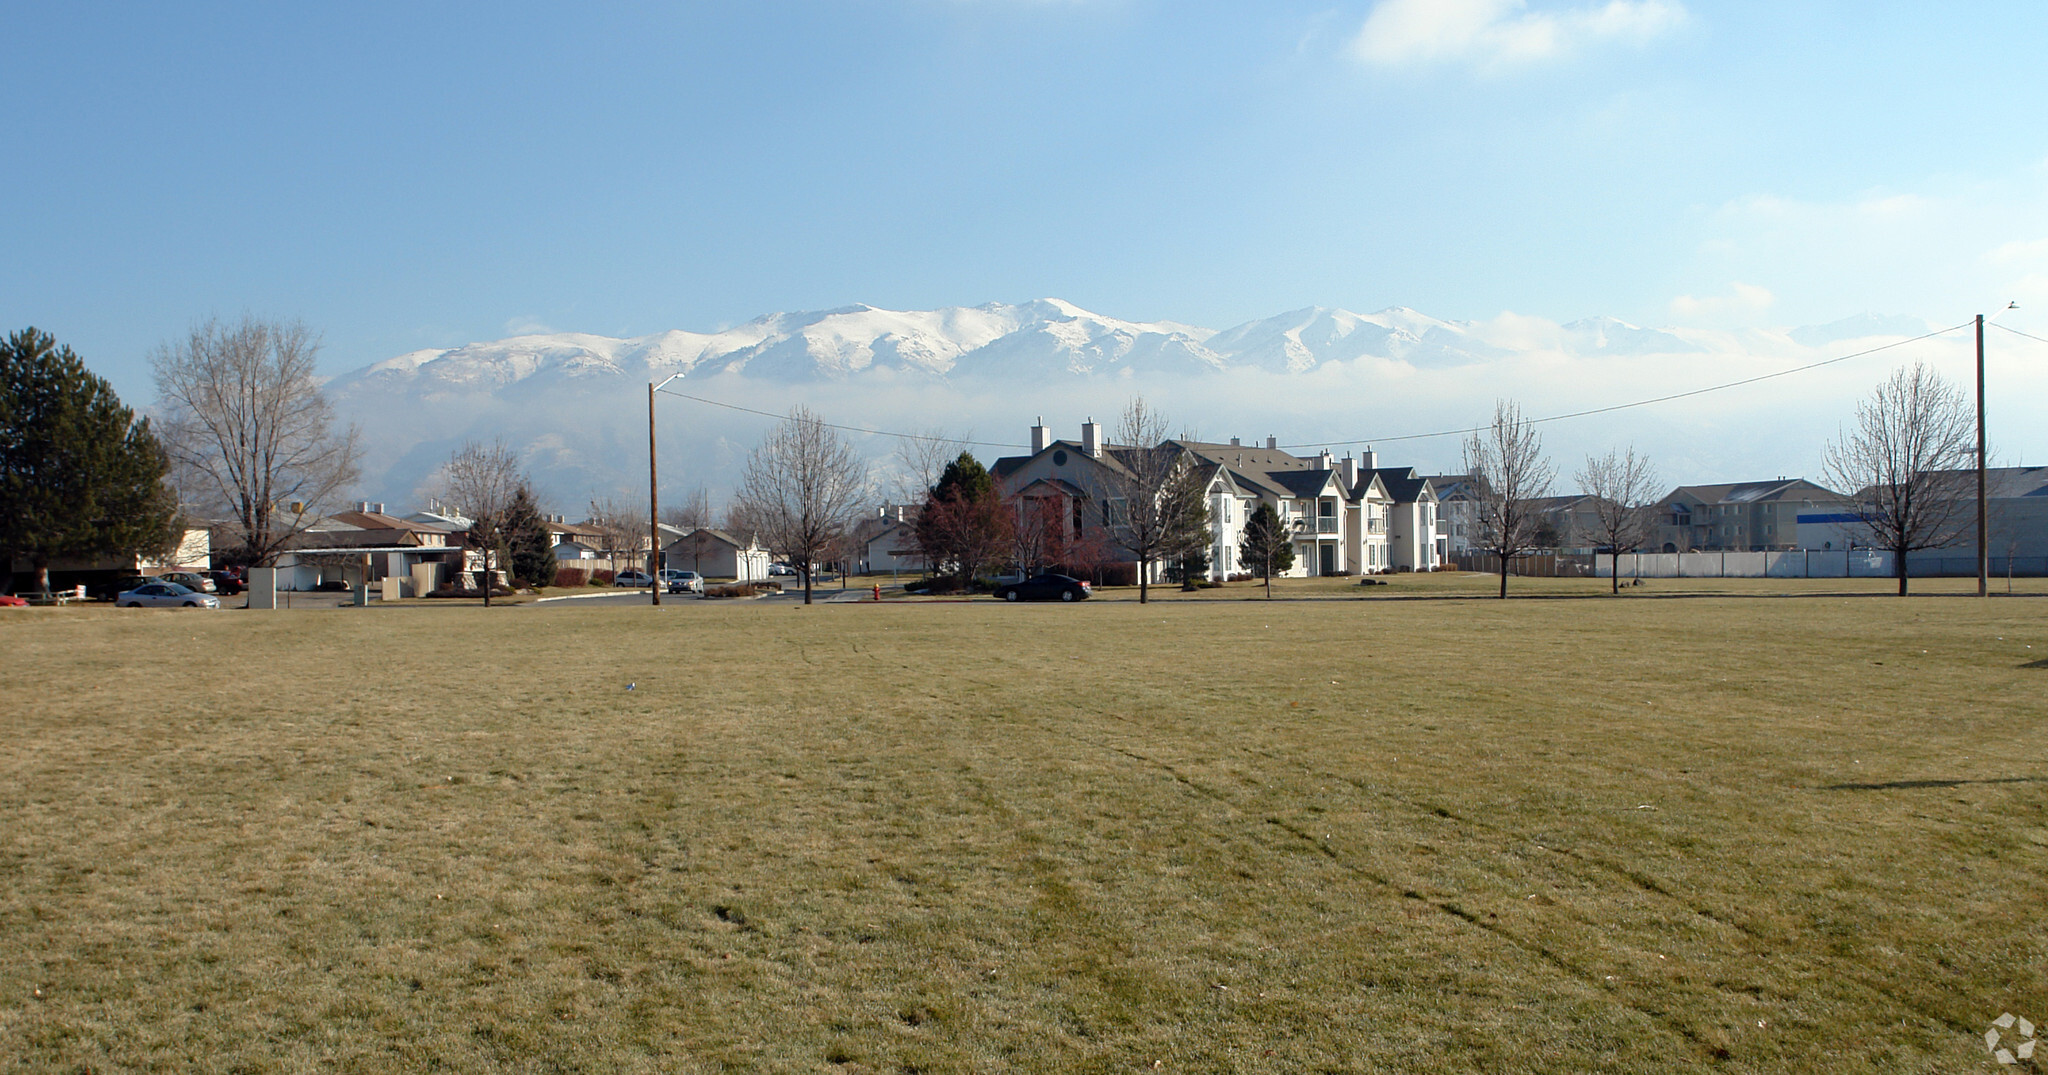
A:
(632, 578)
(164, 595)
(684, 581)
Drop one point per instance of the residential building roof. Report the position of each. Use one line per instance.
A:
(377, 520)
(1753, 492)
(1401, 483)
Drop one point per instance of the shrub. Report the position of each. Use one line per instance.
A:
(601, 577)
(1116, 574)
(572, 576)
(497, 590)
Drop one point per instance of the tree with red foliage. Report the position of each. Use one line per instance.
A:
(964, 526)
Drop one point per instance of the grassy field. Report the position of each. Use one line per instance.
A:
(1720, 833)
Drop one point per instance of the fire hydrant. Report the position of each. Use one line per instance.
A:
(878, 591)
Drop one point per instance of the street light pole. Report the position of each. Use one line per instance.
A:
(654, 494)
(1983, 515)
(653, 506)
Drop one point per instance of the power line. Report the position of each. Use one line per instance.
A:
(849, 429)
(1645, 402)
(1408, 436)
(2017, 332)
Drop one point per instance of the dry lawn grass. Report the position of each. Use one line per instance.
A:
(1707, 834)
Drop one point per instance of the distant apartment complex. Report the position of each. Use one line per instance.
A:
(1348, 516)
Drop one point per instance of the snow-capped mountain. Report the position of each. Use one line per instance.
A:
(573, 404)
(998, 339)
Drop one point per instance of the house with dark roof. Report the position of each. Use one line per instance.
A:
(2015, 512)
(1348, 516)
(1777, 515)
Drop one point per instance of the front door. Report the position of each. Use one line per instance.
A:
(1326, 559)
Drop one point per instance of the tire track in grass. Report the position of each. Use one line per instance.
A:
(1598, 865)
(1643, 882)
(1438, 903)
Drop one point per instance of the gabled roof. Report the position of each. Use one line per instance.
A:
(1752, 492)
(377, 520)
(2008, 483)
(1246, 459)
(1008, 465)
(1057, 485)
(1544, 505)
(723, 537)
(1401, 483)
(446, 521)
(1303, 483)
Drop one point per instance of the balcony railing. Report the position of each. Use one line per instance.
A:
(1326, 525)
(1376, 526)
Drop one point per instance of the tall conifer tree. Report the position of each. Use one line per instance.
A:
(80, 475)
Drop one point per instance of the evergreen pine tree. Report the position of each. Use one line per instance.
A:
(1267, 546)
(80, 475)
(526, 532)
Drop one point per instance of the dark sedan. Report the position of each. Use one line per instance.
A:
(1045, 588)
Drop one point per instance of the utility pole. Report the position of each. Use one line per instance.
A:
(654, 498)
(1983, 516)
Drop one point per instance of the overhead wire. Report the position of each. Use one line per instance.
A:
(1610, 408)
(1645, 402)
(2017, 332)
(849, 429)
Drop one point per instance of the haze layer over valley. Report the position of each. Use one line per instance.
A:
(574, 405)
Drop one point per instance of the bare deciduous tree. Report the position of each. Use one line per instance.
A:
(1508, 471)
(920, 461)
(1906, 457)
(1623, 486)
(481, 483)
(691, 517)
(693, 512)
(1148, 507)
(802, 489)
(621, 526)
(249, 432)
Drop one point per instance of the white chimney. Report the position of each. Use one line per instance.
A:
(1041, 437)
(1372, 459)
(1272, 441)
(1091, 437)
(1347, 472)
(1323, 460)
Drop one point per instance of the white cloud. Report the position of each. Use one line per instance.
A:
(1741, 304)
(1954, 246)
(2019, 253)
(1503, 32)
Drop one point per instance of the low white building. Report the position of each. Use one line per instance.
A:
(716, 554)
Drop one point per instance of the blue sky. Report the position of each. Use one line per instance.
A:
(408, 176)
